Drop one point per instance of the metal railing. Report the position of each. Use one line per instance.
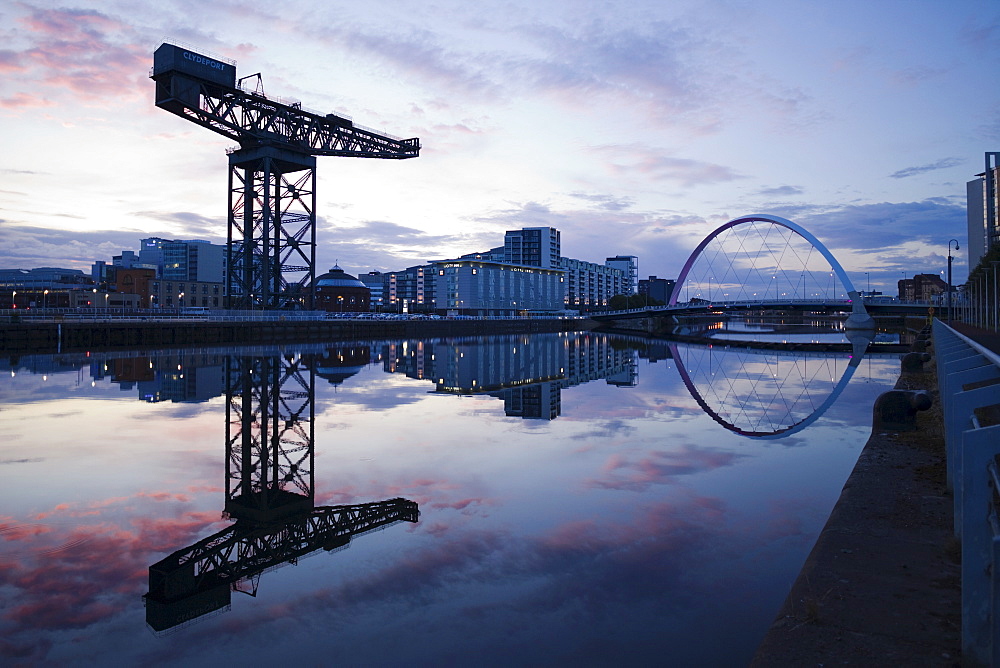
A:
(969, 381)
(98, 314)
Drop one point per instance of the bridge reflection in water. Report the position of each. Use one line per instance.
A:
(766, 392)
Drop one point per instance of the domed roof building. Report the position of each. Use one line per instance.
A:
(339, 292)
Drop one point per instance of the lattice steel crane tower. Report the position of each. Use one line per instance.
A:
(271, 256)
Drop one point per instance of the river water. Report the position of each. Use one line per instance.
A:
(549, 499)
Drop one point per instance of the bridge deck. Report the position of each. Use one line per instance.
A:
(798, 305)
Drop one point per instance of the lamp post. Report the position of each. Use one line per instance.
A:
(949, 275)
(45, 299)
(996, 302)
(13, 299)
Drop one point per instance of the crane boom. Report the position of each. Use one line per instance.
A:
(198, 579)
(189, 89)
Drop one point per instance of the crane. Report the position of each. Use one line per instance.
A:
(270, 497)
(271, 243)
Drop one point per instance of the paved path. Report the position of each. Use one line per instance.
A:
(881, 587)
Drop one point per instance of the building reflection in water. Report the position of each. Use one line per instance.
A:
(751, 391)
(270, 495)
(527, 372)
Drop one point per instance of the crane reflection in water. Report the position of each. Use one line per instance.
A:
(269, 495)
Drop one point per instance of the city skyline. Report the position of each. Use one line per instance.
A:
(633, 128)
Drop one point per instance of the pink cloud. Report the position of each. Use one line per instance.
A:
(23, 101)
(10, 61)
(10, 532)
(164, 496)
(623, 473)
(82, 51)
(461, 504)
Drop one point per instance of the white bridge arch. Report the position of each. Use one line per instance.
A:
(859, 318)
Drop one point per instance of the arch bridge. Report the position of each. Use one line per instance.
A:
(764, 262)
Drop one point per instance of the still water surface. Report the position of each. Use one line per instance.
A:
(583, 499)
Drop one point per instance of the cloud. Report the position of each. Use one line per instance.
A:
(918, 74)
(606, 202)
(88, 54)
(63, 576)
(23, 101)
(656, 165)
(24, 247)
(387, 246)
(188, 225)
(874, 228)
(21, 461)
(659, 467)
(10, 61)
(781, 191)
(944, 163)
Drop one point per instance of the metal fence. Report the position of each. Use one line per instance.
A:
(97, 314)
(969, 384)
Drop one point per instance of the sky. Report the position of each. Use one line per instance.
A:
(634, 127)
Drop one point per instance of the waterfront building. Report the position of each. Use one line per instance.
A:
(591, 285)
(375, 280)
(475, 287)
(129, 260)
(629, 264)
(533, 247)
(499, 280)
(410, 290)
(921, 288)
(658, 289)
(100, 299)
(41, 286)
(983, 210)
(492, 255)
(137, 281)
(181, 294)
(43, 277)
(339, 292)
(176, 260)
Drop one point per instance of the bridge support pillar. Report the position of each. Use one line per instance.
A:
(859, 318)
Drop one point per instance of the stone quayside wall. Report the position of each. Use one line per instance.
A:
(110, 335)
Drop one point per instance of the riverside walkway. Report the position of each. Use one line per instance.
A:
(882, 584)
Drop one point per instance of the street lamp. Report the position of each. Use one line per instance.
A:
(45, 299)
(995, 310)
(13, 299)
(949, 275)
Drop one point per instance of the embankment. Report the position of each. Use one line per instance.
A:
(50, 337)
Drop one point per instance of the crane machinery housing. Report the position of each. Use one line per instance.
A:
(271, 244)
